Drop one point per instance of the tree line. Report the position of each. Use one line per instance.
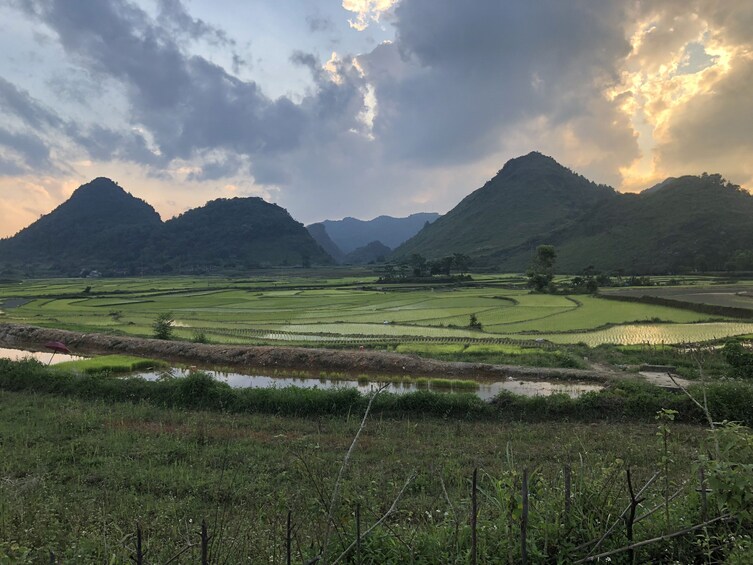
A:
(417, 266)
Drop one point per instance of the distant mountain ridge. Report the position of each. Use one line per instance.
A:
(372, 252)
(682, 224)
(100, 221)
(687, 223)
(350, 233)
(319, 233)
(103, 227)
(530, 197)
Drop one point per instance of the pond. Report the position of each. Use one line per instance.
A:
(41, 356)
(485, 390)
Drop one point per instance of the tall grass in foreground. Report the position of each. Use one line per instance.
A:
(79, 475)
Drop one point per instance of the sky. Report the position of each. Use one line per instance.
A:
(334, 108)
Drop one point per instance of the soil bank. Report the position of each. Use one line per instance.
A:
(266, 359)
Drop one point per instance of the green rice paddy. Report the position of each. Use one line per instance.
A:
(112, 363)
(352, 310)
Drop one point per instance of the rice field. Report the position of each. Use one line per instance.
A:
(296, 309)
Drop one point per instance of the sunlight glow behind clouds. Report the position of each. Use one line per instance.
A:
(367, 11)
(676, 58)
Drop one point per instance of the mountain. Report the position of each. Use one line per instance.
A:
(98, 226)
(374, 251)
(689, 223)
(319, 233)
(234, 233)
(350, 233)
(529, 198)
(103, 227)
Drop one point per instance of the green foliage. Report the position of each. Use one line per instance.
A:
(199, 336)
(473, 323)
(740, 358)
(731, 472)
(163, 325)
(541, 272)
(110, 363)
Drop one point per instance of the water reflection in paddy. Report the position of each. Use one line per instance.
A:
(486, 390)
(41, 356)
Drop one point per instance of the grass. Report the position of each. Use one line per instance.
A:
(78, 475)
(625, 400)
(111, 363)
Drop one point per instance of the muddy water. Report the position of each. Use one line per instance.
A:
(486, 390)
(41, 356)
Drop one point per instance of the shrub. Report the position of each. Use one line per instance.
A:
(163, 325)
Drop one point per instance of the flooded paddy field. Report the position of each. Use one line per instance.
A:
(486, 389)
(355, 311)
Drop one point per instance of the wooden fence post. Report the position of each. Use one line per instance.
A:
(704, 502)
(524, 520)
(205, 537)
(474, 516)
(358, 533)
(630, 519)
(288, 540)
(139, 557)
(567, 492)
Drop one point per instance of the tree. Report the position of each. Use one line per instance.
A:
(163, 325)
(541, 271)
(473, 323)
(461, 262)
(739, 358)
(418, 264)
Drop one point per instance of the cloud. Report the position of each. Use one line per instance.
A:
(684, 86)
(622, 92)
(319, 23)
(713, 131)
(367, 11)
(24, 152)
(20, 104)
(187, 103)
(174, 17)
(460, 78)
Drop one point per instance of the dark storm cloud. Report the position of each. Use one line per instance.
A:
(40, 126)
(462, 74)
(173, 16)
(106, 144)
(318, 23)
(187, 103)
(31, 151)
(219, 169)
(19, 103)
(459, 80)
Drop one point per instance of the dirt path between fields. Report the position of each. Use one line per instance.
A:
(267, 359)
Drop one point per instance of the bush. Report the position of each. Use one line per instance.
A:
(163, 326)
(740, 359)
